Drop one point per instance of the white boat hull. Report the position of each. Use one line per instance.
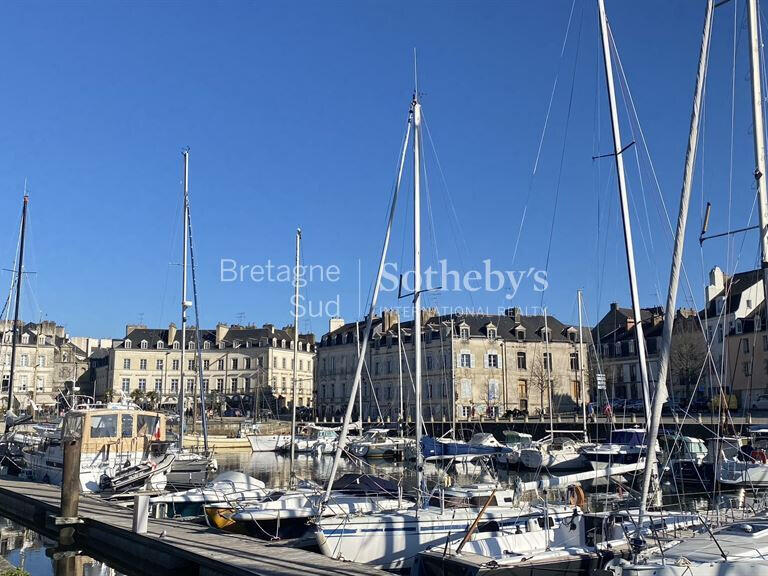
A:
(268, 442)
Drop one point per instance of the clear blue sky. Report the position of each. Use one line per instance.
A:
(294, 113)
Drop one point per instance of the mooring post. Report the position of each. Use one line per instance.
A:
(71, 441)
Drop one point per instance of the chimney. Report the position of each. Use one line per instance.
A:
(171, 334)
(335, 323)
(426, 314)
(269, 328)
(389, 319)
(221, 332)
(614, 306)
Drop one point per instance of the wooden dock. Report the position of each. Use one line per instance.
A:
(173, 546)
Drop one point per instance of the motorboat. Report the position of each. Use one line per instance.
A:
(190, 468)
(682, 457)
(313, 439)
(378, 443)
(121, 447)
(480, 444)
(286, 513)
(626, 446)
(559, 453)
(515, 442)
(228, 488)
(747, 467)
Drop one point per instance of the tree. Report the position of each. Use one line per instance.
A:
(152, 398)
(689, 349)
(539, 379)
(137, 396)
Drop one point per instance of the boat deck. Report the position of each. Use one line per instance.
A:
(172, 546)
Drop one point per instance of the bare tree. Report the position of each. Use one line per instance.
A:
(689, 349)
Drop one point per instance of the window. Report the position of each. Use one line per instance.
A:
(247, 383)
(520, 335)
(465, 360)
(127, 344)
(631, 345)
(493, 390)
(126, 384)
(176, 346)
(464, 332)
(25, 338)
(429, 364)
(143, 364)
(234, 363)
(174, 385)
(493, 360)
(720, 334)
(236, 344)
(466, 388)
(522, 388)
(220, 384)
(747, 368)
(126, 363)
(758, 323)
(247, 363)
(191, 364)
(144, 344)
(160, 344)
(745, 345)
(547, 360)
(466, 412)
(206, 364)
(159, 364)
(234, 384)
(632, 373)
(175, 364)
(143, 384)
(739, 327)
(24, 360)
(191, 345)
(521, 361)
(574, 360)
(301, 365)
(492, 333)
(104, 426)
(190, 384)
(23, 382)
(40, 383)
(220, 364)
(284, 363)
(617, 348)
(205, 384)
(206, 345)
(765, 341)
(158, 384)
(126, 425)
(376, 368)
(41, 361)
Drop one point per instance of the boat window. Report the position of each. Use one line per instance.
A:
(479, 501)
(126, 425)
(146, 424)
(273, 496)
(104, 426)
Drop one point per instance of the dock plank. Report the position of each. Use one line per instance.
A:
(213, 551)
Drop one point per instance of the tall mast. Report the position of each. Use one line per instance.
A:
(548, 356)
(360, 388)
(453, 386)
(677, 257)
(369, 320)
(759, 136)
(417, 283)
(296, 274)
(617, 153)
(19, 267)
(184, 303)
(581, 375)
(401, 416)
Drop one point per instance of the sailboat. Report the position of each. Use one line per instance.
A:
(190, 468)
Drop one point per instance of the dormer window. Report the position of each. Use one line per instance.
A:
(631, 346)
(464, 332)
(491, 333)
(301, 346)
(236, 344)
(739, 327)
(282, 343)
(128, 343)
(758, 323)
(520, 334)
(572, 336)
(617, 348)
(221, 344)
(176, 346)
(160, 344)
(206, 345)
(191, 345)
(719, 305)
(25, 338)
(144, 345)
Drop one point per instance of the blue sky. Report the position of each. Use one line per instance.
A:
(294, 113)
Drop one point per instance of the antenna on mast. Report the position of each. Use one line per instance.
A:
(415, 77)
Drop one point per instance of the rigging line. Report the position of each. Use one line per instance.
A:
(543, 133)
(565, 142)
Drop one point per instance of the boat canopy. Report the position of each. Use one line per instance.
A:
(629, 436)
(364, 484)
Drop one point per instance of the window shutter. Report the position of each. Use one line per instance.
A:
(486, 363)
(471, 360)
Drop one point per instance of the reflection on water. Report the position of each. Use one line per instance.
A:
(30, 551)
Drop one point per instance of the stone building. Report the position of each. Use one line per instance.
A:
(48, 364)
(615, 338)
(747, 358)
(239, 363)
(477, 365)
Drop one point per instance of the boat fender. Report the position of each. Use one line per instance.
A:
(576, 496)
(759, 456)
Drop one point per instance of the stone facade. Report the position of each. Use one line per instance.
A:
(48, 364)
(238, 361)
(479, 365)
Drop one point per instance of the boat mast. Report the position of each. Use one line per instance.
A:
(617, 153)
(453, 386)
(184, 303)
(360, 389)
(581, 374)
(15, 333)
(548, 356)
(369, 319)
(759, 136)
(401, 417)
(296, 273)
(417, 283)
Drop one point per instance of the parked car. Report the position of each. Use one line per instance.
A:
(732, 402)
(516, 413)
(760, 403)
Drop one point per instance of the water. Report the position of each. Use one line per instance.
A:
(26, 549)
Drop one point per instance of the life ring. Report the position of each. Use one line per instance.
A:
(576, 496)
(759, 456)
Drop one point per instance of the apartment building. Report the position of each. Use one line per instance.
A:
(238, 361)
(472, 365)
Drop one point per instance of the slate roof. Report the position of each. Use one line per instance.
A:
(240, 334)
(734, 286)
